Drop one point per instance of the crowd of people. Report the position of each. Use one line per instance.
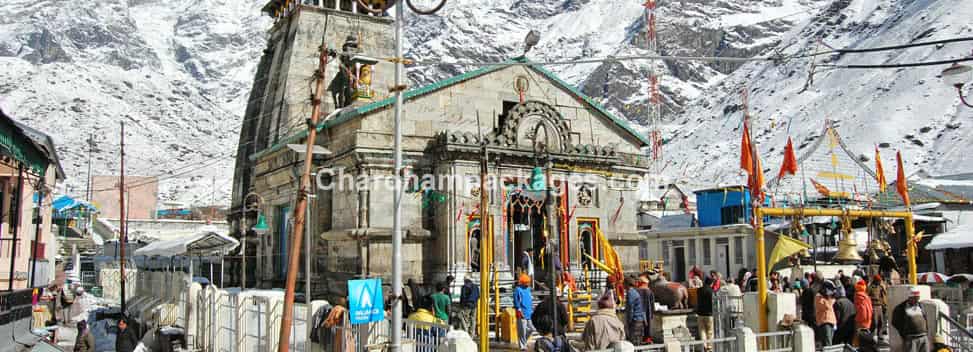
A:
(841, 310)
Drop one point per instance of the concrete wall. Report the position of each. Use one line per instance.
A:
(143, 194)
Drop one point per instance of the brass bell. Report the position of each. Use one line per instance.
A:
(848, 251)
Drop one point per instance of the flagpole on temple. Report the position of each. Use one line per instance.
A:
(755, 183)
(902, 186)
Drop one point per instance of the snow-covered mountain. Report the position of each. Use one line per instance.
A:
(179, 74)
(908, 109)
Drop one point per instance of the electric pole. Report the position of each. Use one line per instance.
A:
(122, 226)
(300, 210)
(87, 192)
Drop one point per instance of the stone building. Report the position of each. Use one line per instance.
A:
(595, 156)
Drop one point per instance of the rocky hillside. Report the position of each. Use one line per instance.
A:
(179, 73)
(909, 109)
(176, 72)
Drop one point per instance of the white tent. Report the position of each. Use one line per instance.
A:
(208, 241)
(960, 236)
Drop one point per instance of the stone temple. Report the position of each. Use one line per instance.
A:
(526, 117)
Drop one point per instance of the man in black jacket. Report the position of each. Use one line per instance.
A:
(704, 312)
(807, 301)
(910, 321)
(844, 310)
(542, 318)
(126, 340)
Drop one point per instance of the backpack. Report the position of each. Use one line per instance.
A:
(546, 344)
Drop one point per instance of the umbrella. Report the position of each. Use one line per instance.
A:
(932, 278)
(961, 278)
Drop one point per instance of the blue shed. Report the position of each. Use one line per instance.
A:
(723, 206)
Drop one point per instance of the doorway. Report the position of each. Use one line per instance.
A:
(723, 259)
(528, 229)
(679, 268)
(473, 244)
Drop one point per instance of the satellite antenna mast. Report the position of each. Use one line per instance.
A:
(655, 102)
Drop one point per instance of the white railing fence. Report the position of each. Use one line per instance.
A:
(220, 320)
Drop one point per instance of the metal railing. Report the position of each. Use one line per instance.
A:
(728, 313)
(717, 344)
(426, 336)
(776, 341)
(960, 337)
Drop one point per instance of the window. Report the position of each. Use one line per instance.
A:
(738, 250)
(283, 226)
(732, 215)
(507, 106)
(707, 253)
(692, 251)
(665, 251)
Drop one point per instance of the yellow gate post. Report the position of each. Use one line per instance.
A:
(761, 269)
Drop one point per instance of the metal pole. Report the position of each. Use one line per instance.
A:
(87, 193)
(300, 213)
(552, 238)
(483, 322)
(395, 344)
(307, 267)
(37, 234)
(123, 226)
(761, 268)
(910, 232)
(243, 259)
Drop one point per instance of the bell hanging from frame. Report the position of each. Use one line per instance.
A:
(848, 251)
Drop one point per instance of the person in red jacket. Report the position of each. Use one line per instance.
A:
(863, 308)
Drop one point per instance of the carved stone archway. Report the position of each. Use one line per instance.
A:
(523, 120)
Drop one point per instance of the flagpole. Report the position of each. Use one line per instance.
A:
(758, 222)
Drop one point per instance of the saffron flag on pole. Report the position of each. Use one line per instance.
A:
(900, 182)
(746, 158)
(790, 161)
(822, 189)
(785, 247)
(880, 172)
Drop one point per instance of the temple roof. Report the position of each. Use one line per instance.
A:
(352, 112)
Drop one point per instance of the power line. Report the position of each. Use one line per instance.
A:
(885, 48)
(163, 177)
(911, 64)
(595, 60)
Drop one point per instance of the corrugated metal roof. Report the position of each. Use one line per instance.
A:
(430, 88)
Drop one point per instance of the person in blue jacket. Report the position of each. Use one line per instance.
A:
(634, 312)
(524, 304)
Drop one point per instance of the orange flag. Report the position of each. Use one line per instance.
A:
(746, 158)
(757, 181)
(900, 183)
(790, 161)
(822, 189)
(880, 173)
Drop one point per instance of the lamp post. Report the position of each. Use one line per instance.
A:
(552, 234)
(259, 227)
(957, 75)
(399, 87)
